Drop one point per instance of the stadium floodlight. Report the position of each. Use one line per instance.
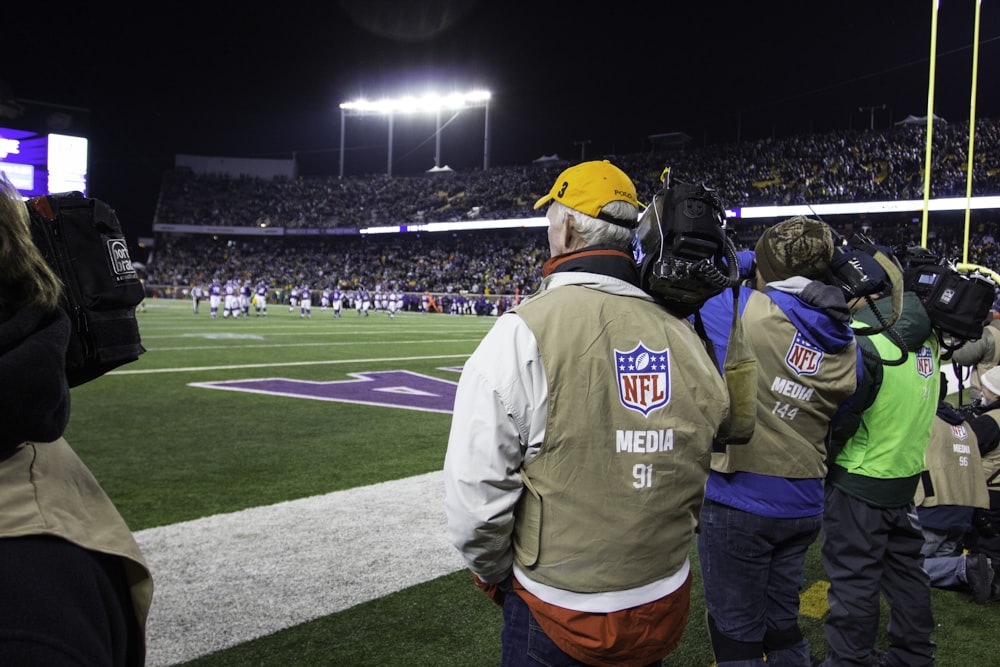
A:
(429, 103)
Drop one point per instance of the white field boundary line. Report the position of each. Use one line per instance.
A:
(196, 369)
(228, 579)
(186, 330)
(348, 318)
(241, 346)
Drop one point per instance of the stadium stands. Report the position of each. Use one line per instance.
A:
(850, 165)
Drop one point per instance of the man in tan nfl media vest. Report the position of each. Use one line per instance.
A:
(764, 500)
(952, 486)
(969, 451)
(580, 445)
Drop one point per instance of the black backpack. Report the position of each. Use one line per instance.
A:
(82, 240)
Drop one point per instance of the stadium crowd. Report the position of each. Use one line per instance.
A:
(477, 262)
(486, 262)
(850, 165)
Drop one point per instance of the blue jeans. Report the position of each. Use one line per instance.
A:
(946, 571)
(938, 543)
(525, 644)
(752, 569)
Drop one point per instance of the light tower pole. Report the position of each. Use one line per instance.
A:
(428, 103)
(871, 111)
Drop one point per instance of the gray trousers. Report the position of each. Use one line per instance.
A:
(867, 552)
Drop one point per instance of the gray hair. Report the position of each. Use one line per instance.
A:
(599, 232)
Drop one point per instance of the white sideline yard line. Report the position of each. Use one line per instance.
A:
(374, 360)
(323, 344)
(297, 332)
(231, 578)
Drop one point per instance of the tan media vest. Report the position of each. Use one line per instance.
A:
(612, 499)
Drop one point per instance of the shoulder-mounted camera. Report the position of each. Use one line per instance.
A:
(956, 302)
(855, 269)
(685, 253)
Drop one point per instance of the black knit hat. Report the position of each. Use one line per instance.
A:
(798, 246)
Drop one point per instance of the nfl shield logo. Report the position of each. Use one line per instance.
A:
(643, 378)
(803, 357)
(958, 431)
(925, 361)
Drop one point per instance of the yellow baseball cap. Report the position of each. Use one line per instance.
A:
(589, 186)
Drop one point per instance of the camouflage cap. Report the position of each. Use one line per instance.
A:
(798, 246)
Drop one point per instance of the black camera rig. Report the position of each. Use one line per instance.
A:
(957, 302)
(685, 253)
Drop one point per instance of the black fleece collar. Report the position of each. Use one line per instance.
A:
(605, 260)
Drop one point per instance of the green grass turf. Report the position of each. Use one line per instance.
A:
(168, 452)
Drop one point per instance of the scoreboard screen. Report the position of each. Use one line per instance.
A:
(43, 163)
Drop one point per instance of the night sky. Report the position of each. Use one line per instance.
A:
(566, 78)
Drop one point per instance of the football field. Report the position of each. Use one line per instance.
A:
(282, 476)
